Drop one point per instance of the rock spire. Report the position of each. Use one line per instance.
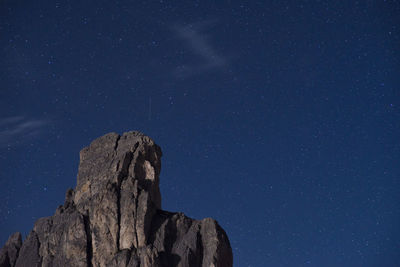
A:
(114, 218)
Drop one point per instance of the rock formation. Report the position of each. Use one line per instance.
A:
(113, 217)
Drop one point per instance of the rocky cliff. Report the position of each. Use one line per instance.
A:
(114, 218)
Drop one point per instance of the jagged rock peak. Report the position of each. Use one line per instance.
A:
(9, 253)
(113, 217)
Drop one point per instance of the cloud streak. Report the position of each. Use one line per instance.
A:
(14, 130)
(199, 45)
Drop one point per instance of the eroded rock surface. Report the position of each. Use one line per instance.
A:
(113, 217)
(9, 253)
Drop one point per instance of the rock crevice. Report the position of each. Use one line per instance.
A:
(89, 248)
(113, 217)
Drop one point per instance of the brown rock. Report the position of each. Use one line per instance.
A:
(114, 217)
(9, 253)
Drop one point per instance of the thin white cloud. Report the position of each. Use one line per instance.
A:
(8, 120)
(14, 130)
(199, 45)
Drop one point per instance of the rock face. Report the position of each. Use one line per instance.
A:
(9, 253)
(113, 217)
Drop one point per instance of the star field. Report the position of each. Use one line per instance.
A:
(280, 119)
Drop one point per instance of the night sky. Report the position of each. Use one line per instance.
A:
(280, 119)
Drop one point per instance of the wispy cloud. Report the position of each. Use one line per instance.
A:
(14, 130)
(10, 120)
(198, 43)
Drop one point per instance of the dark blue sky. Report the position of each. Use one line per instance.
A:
(280, 119)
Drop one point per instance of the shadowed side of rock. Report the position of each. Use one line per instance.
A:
(113, 217)
(10, 251)
(182, 241)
